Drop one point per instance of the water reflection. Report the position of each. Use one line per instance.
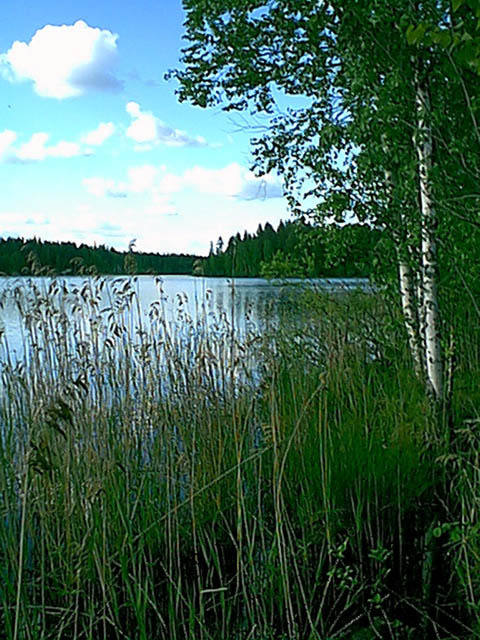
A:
(244, 305)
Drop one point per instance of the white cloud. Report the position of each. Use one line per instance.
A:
(170, 183)
(232, 180)
(161, 206)
(64, 61)
(36, 149)
(7, 138)
(97, 186)
(142, 178)
(146, 129)
(101, 187)
(100, 134)
(133, 108)
(227, 181)
(65, 150)
(187, 222)
(79, 224)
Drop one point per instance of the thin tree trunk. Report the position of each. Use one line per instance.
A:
(430, 313)
(407, 290)
(409, 308)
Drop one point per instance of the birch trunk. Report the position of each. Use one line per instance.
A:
(409, 308)
(430, 313)
(407, 291)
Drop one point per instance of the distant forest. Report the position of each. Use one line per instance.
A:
(295, 249)
(37, 257)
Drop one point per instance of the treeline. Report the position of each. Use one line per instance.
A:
(295, 249)
(37, 257)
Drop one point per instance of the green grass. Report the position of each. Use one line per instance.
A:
(183, 484)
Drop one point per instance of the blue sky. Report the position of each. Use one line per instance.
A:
(94, 146)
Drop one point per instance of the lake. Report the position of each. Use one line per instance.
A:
(243, 303)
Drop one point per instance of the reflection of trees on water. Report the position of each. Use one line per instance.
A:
(250, 307)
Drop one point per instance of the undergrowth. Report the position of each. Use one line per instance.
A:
(179, 481)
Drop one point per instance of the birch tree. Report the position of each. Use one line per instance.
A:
(360, 111)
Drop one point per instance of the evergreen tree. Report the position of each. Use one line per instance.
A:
(36, 257)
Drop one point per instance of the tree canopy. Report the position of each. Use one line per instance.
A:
(296, 249)
(369, 110)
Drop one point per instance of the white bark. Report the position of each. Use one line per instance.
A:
(430, 314)
(409, 308)
(408, 298)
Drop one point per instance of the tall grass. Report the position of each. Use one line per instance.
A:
(178, 482)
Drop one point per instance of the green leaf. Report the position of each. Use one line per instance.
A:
(410, 31)
(456, 4)
(474, 5)
(467, 53)
(442, 38)
(415, 34)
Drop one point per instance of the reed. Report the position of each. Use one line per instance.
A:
(181, 481)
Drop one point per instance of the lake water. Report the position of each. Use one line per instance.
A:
(146, 339)
(239, 303)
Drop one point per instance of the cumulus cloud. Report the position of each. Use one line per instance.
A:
(7, 138)
(36, 149)
(161, 206)
(147, 130)
(232, 180)
(101, 187)
(23, 223)
(64, 61)
(99, 135)
(170, 183)
(142, 178)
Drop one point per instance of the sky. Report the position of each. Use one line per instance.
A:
(95, 147)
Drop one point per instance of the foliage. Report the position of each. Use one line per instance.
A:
(165, 481)
(458, 34)
(297, 249)
(36, 257)
(364, 110)
(252, 255)
(352, 66)
(282, 266)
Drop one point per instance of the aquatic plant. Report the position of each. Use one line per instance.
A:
(177, 480)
